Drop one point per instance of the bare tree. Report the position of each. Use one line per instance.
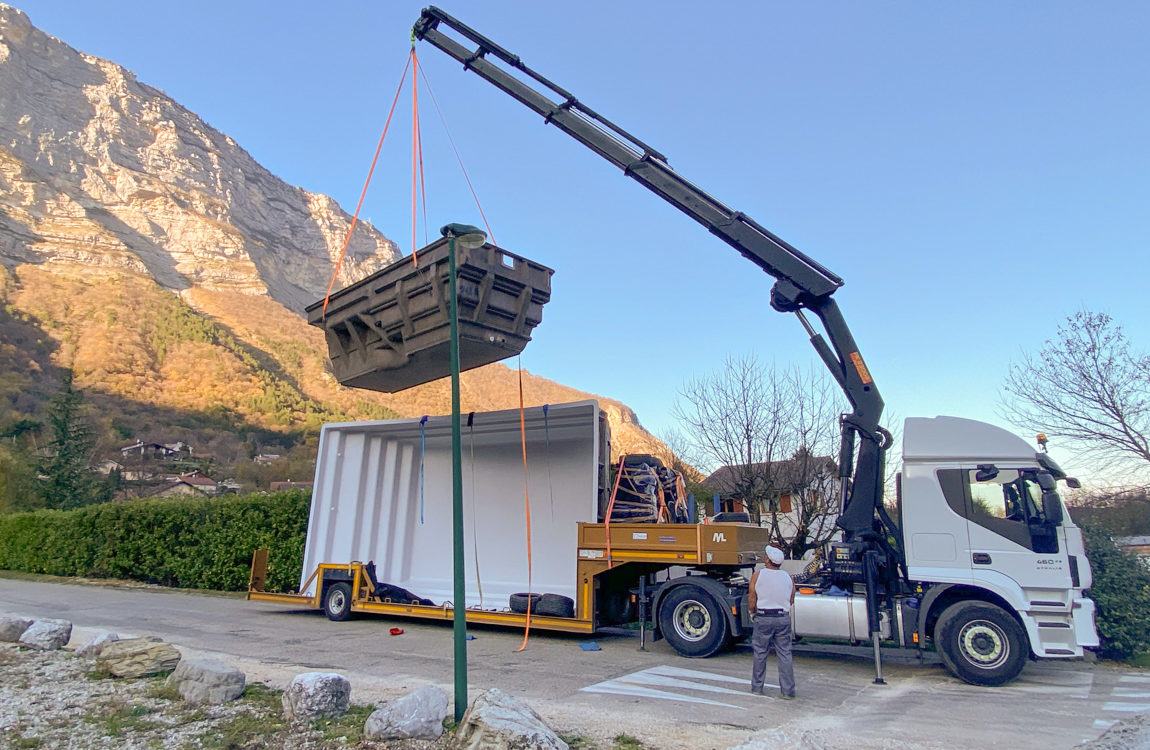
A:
(769, 433)
(736, 419)
(810, 475)
(1087, 385)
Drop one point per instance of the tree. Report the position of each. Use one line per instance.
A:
(769, 432)
(64, 468)
(1087, 385)
(735, 418)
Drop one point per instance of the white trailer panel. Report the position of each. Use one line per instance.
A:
(366, 500)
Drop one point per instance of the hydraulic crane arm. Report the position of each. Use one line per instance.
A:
(801, 283)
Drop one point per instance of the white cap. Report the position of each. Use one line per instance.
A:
(775, 555)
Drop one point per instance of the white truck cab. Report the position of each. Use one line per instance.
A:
(990, 543)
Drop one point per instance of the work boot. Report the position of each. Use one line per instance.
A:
(757, 691)
(788, 697)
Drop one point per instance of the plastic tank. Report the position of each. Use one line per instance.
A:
(391, 330)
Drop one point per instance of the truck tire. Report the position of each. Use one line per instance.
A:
(981, 643)
(519, 603)
(555, 605)
(337, 601)
(693, 622)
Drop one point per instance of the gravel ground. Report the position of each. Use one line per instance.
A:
(53, 699)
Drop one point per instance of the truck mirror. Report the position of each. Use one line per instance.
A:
(1052, 507)
(986, 472)
(1073, 483)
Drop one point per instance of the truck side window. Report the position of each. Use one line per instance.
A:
(1010, 506)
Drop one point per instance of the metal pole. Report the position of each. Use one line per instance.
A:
(459, 609)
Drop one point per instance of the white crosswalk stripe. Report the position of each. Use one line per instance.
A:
(1129, 695)
(646, 684)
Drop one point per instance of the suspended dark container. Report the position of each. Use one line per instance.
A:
(391, 331)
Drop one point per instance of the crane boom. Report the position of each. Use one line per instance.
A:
(801, 283)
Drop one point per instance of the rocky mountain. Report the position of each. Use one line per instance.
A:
(151, 255)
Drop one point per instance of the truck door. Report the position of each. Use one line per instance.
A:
(1009, 533)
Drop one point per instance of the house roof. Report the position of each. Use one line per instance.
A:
(789, 473)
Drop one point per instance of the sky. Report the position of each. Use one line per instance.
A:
(975, 172)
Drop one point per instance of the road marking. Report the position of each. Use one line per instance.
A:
(1104, 724)
(1134, 678)
(1076, 684)
(1121, 692)
(1128, 707)
(644, 682)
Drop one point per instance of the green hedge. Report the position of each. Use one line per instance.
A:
(1121, 592)
(200, 543)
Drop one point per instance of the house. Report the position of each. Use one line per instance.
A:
(289, 485)
(1136, 545)
(150, 450)
(182, 485)
(107, 467)
(796, 492)
(266, 458)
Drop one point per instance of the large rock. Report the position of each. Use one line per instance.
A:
(136, 657)
(315, 695)
(48, 635)
(207, 681)
(417, 715)
(11, 628)
(94, 646)
(496, 720)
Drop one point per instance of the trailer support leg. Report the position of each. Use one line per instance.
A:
(643, 613)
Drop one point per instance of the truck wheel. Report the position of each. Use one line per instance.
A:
(980, 643)
(520, 603)
(692, 622)
(337, 601)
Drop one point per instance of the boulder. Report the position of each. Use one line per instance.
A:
(136, 657)
(207, 681)
(48, 635)
(94, 645)
(495, 719)
(417, 715)
(11, 628)
(314, 695)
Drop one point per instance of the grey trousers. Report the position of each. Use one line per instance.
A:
(772, 632)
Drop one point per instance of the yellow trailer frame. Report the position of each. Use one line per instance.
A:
(601, 548)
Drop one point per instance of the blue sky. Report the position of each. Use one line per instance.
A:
(975, 171)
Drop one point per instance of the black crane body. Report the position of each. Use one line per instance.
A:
(802, 284)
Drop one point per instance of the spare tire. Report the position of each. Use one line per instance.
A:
(520, 602)
(555, 605)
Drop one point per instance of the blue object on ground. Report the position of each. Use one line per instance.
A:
(590, 646)
(470, 637)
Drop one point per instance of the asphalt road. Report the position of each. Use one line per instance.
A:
(665, 700)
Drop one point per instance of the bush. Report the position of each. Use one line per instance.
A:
(1121, 592)
(201, 543)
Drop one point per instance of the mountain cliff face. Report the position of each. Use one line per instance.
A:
(151, 255)
(100, 169)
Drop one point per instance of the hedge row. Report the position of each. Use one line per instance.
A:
(200, 543)
(1121, 593)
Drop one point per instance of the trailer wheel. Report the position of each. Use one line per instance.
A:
(520, 603)
(337, 601)
(981, 643)
(693, 622)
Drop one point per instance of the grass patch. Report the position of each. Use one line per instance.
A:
(161, 690)
(120, 717)
(627, 742)
(14, 739)
(1142, 661)
(576, 741)
(98, 673)
(264, 719)
(348, 726)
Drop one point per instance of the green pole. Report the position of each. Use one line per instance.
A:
(459, 610)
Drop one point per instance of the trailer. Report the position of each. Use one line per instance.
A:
(379, 533)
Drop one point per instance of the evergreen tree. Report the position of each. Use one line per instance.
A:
(64, 469)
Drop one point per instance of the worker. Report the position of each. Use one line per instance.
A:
(771, 596)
